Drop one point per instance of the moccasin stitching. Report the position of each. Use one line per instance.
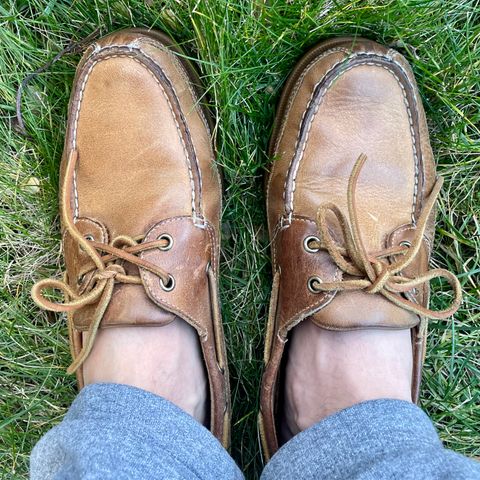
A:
(289, 208)
(298, 85)
(77, 113)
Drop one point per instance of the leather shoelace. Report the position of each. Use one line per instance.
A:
(99, 287)
(377, 275)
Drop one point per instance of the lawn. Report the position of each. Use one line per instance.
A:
(244, 50)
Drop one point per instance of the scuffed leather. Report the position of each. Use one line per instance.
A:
(192, 252)
(345, 97)
(146, 166)
(296, 266)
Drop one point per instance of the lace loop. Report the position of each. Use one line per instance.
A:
(99, 287)
(376, 275)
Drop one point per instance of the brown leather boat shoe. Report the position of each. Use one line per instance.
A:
(140, 204)
(350, 202)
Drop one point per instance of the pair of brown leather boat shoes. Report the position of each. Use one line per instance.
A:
(350, 196)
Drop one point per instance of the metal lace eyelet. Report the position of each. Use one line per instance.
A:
(89, 237)
(169, 286)
(307, 241)
(405, 243)
(310, 284)
(169, 239)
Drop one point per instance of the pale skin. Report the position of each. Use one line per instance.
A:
(326, 371)
(164, 360)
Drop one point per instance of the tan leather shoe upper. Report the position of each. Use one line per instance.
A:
(140, 203)
(350, 204)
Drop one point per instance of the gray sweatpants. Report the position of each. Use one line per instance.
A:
(120, 432)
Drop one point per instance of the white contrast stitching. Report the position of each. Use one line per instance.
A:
(184, 74)
(192, 182)
(97, 224)
(77, 113)
(426, 240)
(287, 110)
(289, 209)
(400, 230)
(198, 108)
(298, 85)
(75, 126)
(180, 69)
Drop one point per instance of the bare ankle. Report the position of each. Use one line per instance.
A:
(328, 371)
(166, 361)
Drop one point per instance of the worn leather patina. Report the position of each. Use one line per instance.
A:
(140, 204)
(350, 204)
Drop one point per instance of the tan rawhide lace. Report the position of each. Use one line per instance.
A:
(105, 272)
(377, 274)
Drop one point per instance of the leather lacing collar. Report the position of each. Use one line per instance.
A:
(377, 275)
(106, 273)
(378, 272)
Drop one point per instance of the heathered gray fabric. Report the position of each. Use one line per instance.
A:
(375, 440)
(120, 432)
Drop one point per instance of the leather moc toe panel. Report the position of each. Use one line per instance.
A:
(140, 203)
(350, 204)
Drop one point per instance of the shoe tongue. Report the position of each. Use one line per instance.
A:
(129, 306)
(357, 310)
(133, 307)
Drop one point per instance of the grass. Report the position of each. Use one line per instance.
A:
(244, 50)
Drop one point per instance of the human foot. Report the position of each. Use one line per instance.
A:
(350, 203)
(164, 360)
(140, 210)
(327, 371)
